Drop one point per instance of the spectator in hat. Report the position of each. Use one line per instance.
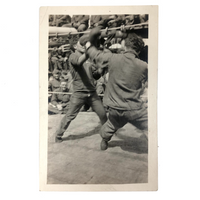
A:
(60, 100)
(84, 90)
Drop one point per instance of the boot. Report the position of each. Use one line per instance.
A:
(58, 139)
(104, 145)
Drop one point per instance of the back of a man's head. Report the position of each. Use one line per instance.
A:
(134, 41)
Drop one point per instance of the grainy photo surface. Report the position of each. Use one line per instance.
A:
(98, 84)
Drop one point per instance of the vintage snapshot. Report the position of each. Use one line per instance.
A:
(98, 98)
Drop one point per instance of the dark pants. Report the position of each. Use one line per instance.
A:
(78, 99)
(118, 118)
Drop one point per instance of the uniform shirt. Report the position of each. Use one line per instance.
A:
(82, 75)
(62, 99)
(53, 84)
(126, 76)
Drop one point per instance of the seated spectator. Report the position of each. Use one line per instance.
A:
(59, 20)
(66, 75)
(129, 20)
(59, 59)
(79, 22)
(51, 18)
(60, 102)
(144, 18)
(99, 20)
(56, 60)
(115, 21)
(50, 65)
(136, 19)
(94, 19)
(54, 82)
(65, 61)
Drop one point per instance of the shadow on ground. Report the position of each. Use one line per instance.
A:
(137, 145)
(88, 134)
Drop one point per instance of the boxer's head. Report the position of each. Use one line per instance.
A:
(133, 41)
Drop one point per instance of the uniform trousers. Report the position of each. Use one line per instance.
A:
(78, 99)
(118, 118)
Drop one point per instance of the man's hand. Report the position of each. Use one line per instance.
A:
(59, 107)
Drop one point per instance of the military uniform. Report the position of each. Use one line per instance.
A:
(61, 99)
(54, 83)
(99, 20)
(83, 92)
(66, 75)
(80, 22)
(122, 96)
(59, 20)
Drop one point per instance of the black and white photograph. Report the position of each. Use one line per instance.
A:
(99, 100)
(98, 79)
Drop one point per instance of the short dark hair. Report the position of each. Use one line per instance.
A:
(134, 41)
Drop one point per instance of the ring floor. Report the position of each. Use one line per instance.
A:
(79, 160)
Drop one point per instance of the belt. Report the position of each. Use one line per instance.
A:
(89, 93)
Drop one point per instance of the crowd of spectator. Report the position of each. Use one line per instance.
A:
(59, 74)
(83, 22)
